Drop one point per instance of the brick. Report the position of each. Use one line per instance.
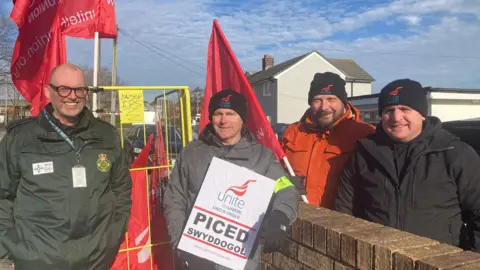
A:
(474, 266)
(306, 211)
(282, 262)
(296, 231)
(341, 266)
(357, 247)
(289, 249)
(314, 259)
(307, 233)
(315, 218)
(449, 261)
(335, 230)
(319, 226)
(384, 252)
(267, 257)
(407, 259)
(266, 266)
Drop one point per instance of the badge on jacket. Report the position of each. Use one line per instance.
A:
(103, 164)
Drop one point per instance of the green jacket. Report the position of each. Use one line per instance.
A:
(45, 222)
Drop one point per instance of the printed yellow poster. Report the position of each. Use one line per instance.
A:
(131, 106)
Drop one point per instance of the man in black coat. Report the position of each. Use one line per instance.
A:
(412, 174)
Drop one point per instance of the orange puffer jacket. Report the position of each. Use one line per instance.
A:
(320, 156)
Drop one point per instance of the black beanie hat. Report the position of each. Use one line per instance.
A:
(327, 83)
(404, 92)
(228, 99)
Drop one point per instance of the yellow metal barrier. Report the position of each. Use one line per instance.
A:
(166, 111)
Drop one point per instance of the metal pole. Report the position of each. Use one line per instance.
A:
(113, 100)
(96, 67)
(6, 99)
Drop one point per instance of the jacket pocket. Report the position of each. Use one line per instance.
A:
(299, 156)
(454, 229)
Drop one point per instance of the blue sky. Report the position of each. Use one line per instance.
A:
(389, 39)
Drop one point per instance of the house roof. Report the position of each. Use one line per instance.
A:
(351, 69)
(276, 69)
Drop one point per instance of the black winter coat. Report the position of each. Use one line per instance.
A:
(439, 185)
(45, 222)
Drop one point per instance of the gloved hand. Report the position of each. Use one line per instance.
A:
(299, 182)
(274, 231)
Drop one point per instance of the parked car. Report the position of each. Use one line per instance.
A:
(467, 130)
(136, 139)
(279, 130)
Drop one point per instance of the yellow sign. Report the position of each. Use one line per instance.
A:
(131, 106)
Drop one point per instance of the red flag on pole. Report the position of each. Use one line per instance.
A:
(82, 19)
(37, 50)
(163, 251)
(139, 229)
(224, 72)
(40, 46)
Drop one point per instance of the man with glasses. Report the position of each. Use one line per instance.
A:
(65, 186)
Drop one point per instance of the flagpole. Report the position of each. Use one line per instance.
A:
(113, 100)
(96, 65)
(290, 170)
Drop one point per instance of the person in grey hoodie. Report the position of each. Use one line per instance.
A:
(227, 137)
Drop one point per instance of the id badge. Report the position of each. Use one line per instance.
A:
(79, 177)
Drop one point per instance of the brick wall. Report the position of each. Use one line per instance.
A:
(325, 239)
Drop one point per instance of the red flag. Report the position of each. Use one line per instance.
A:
(83, 18)
(163, 251)
(138, 226)
(224, 72)
(37, 50)
(40, 46)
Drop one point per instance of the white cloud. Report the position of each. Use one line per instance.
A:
(411, 19)
(287, 29)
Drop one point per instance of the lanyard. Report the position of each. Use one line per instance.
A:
(62, 134)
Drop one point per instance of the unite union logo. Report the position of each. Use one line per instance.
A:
(395, 92)
(240, 190)
(393, 96)
(327, 89)
(225, 102)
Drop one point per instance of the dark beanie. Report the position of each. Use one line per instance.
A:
(404, 92)
(228, 99)
(327, 83)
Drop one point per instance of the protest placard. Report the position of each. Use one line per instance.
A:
(227, 214)
(131, 106)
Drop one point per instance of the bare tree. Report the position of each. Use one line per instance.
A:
(196, 100)
(104, 79)
(8, 33)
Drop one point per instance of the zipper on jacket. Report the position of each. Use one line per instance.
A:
(397, 195)
(414, 185)
(309, 159)
(385, 191)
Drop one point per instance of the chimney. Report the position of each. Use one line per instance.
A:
(267, 62)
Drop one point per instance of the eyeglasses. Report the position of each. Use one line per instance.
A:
(64, 91)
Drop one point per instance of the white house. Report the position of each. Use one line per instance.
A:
(448, 104)
(282, 89)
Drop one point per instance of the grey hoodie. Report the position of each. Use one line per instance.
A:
(190, 169)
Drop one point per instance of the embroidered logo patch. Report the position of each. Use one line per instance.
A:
(42, 168)
(103, 164)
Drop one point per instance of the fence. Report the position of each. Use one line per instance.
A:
(163, 111)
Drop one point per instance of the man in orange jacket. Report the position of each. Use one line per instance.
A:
(319, 144)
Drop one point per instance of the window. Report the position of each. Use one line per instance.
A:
(266, 89)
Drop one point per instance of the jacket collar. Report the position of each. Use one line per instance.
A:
(85, 122)
(208, 136)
